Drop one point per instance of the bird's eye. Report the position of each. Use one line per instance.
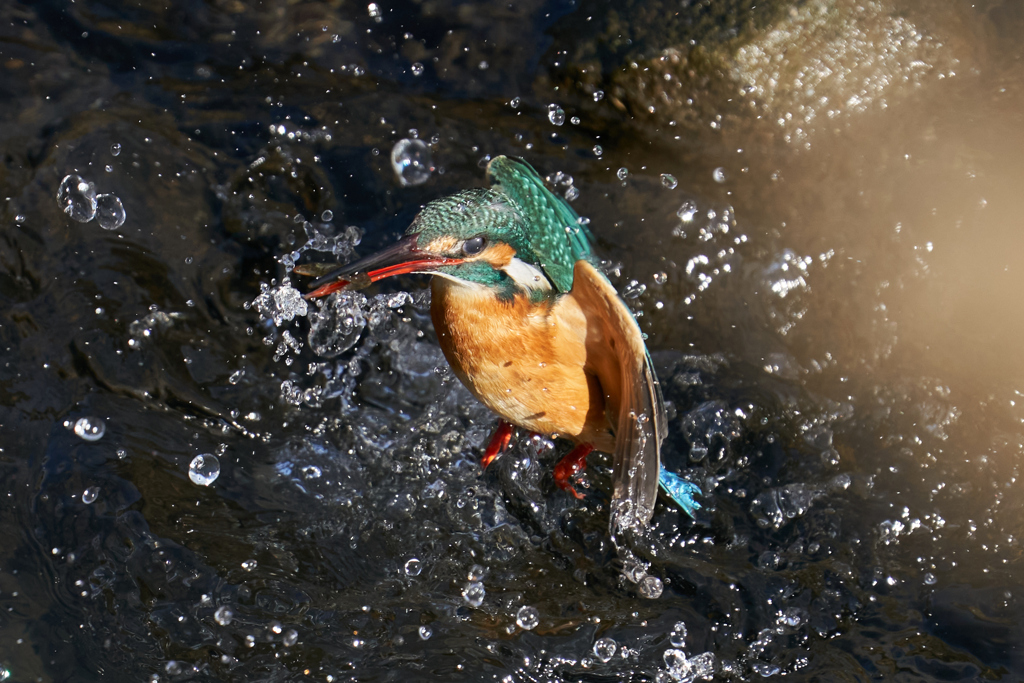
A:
(474, 245)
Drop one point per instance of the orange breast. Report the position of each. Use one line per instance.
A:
(524, 361)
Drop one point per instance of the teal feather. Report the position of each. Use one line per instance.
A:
(557, 238)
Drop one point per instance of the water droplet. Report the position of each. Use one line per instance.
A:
(719, 175)
(634, 289)
(622, 173)
(483, 65)
(605, 649)
(678, 635)
(312, 472)
(413, 567)
(249, 565)
(77, 198)
(598, 95)
(411, 161)
(373, 9)
(661, 278)
(474, 593)
(223, 615)
(204, 469)
(930, 579)
(687, 211)
(172, 668)
(5, 674)
(575, 120)
(90, 428)
(527, 617)
(417, 69)
(669, 181)
(651, 587)
(476, 573)
(598, 150)
(327, 216)
(515, 102)
(556, 114)
(291, 636)
(90, 494)
(109, 212)
(426, 632)
(115, 149)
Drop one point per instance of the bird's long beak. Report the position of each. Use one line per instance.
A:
(400, 258)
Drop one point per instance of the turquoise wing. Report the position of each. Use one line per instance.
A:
(556, 236)
(683, 492)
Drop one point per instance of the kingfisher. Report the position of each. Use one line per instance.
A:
(535, 330)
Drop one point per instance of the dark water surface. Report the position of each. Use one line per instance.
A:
(830, 280)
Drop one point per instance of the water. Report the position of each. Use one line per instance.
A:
(90, 428)
(527, 617)
(836, 330)
(411, 160)
(110, 212)
(204, 469)
(77, 198)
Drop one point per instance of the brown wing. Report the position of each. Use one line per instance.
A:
(631, 389)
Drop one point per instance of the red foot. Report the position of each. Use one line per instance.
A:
(573, 463)
(499, 442)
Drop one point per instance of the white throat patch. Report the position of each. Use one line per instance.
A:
(527, 276)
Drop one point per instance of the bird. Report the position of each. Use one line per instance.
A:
(535, 330)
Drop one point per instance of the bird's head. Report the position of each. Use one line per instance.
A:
(476, 237)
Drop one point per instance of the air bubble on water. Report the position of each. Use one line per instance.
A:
(719, 175)
(651, 587)
(527, 617)
(669, 181)
(115, 149)
(413, 567)
(474, 593)
(204, 469)
(109, 212)
(426, 632)
(572, 194)
(476, 573)
(634, 289)
(327, 216)
(660, 278)
(223, 615)
(765, 669)
(930, 579)
(622, 173)
(576, 121)
(598, 95)
(412, 162)
(556, 114)
(598, 150)
(515, 102)
(172, 668)
(90, 428)
(90, 494)
(416, 68)
(249, 565)
(605, 649)
(291, 636)
(121, 454)
(687, 211)
(77, 198)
